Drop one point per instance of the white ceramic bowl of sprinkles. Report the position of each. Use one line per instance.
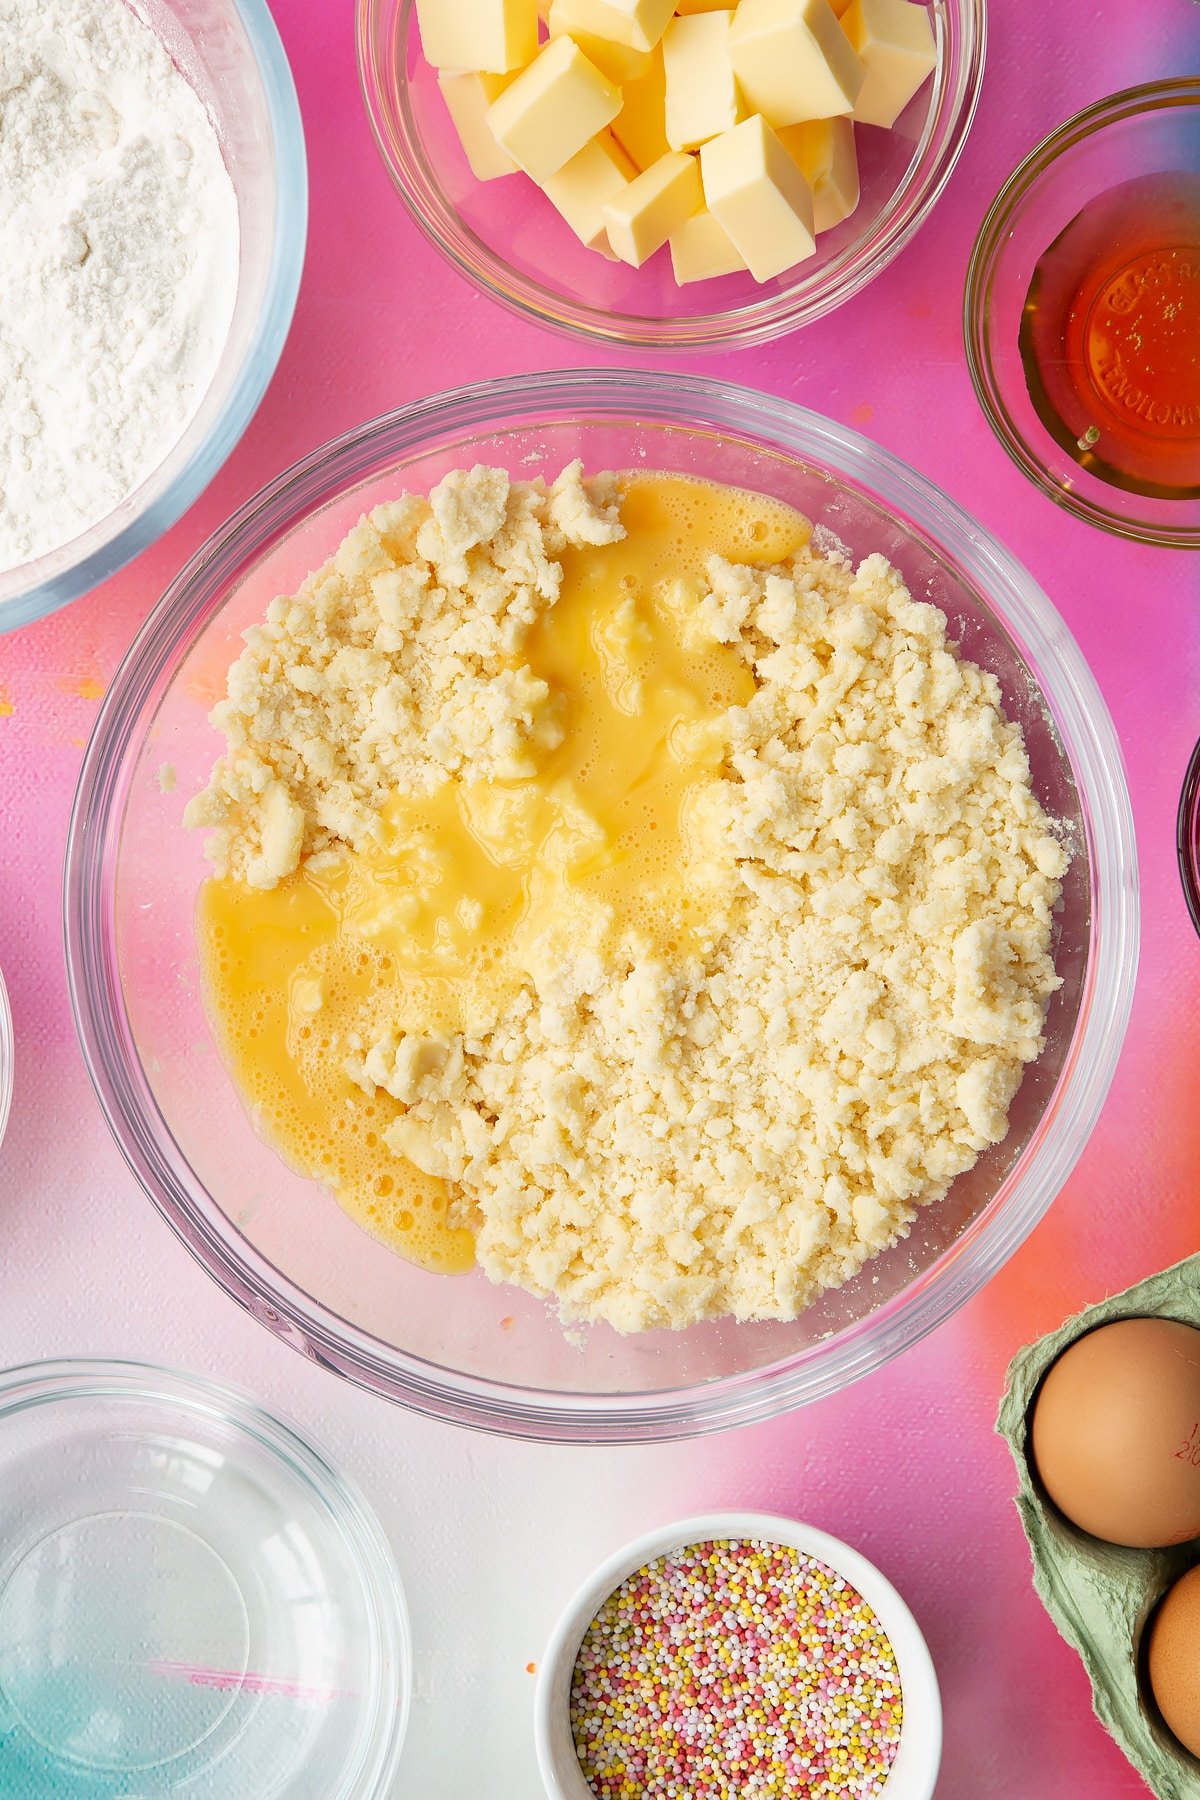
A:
(873, 1647)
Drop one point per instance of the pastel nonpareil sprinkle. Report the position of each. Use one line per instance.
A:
(736, 1668)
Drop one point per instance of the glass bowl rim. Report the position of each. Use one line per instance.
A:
(686, 403)
(773, 316)
(45, 593)
(384, 1609)
(8, 1057)
(1187, 836)
(978, 313)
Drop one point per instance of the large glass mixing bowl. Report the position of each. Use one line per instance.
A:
(459, 1348)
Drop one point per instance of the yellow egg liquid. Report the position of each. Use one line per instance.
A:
(434, 928)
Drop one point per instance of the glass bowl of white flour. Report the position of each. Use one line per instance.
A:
(153, 205)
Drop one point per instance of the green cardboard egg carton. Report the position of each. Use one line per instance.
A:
(1099, 1595)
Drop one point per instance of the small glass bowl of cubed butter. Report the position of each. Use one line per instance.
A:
(670, 173)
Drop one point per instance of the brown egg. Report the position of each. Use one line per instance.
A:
(1173, 1659)
(1116, 1432)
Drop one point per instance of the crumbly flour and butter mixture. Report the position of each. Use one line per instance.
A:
(118, 264)
(612, 887)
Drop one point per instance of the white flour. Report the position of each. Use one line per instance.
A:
(118, 263)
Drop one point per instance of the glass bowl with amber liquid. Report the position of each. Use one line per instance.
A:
(1082, 314)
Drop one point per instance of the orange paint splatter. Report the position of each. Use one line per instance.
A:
(6, 705)
(862, 414)
(208, 686)
(1128, 1209)
(208, 669)
(89, 686)
(507, 1324)
(531, 1668)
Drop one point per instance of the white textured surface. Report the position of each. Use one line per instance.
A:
(492, 1537)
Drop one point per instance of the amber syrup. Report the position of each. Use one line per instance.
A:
(1110, 336)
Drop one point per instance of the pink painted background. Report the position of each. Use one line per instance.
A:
(490, 1536)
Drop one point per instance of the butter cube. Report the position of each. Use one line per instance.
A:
(760, 197)
(656, 203)
(552, 108)
(496, 35)
(702, 95)
(640, 126)
(620, 62)
(824, 150)
(636, 23)
(793, 61)
(467, 100)
(686, 8)
(701, 248)
(894, 38)
(580, 189)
